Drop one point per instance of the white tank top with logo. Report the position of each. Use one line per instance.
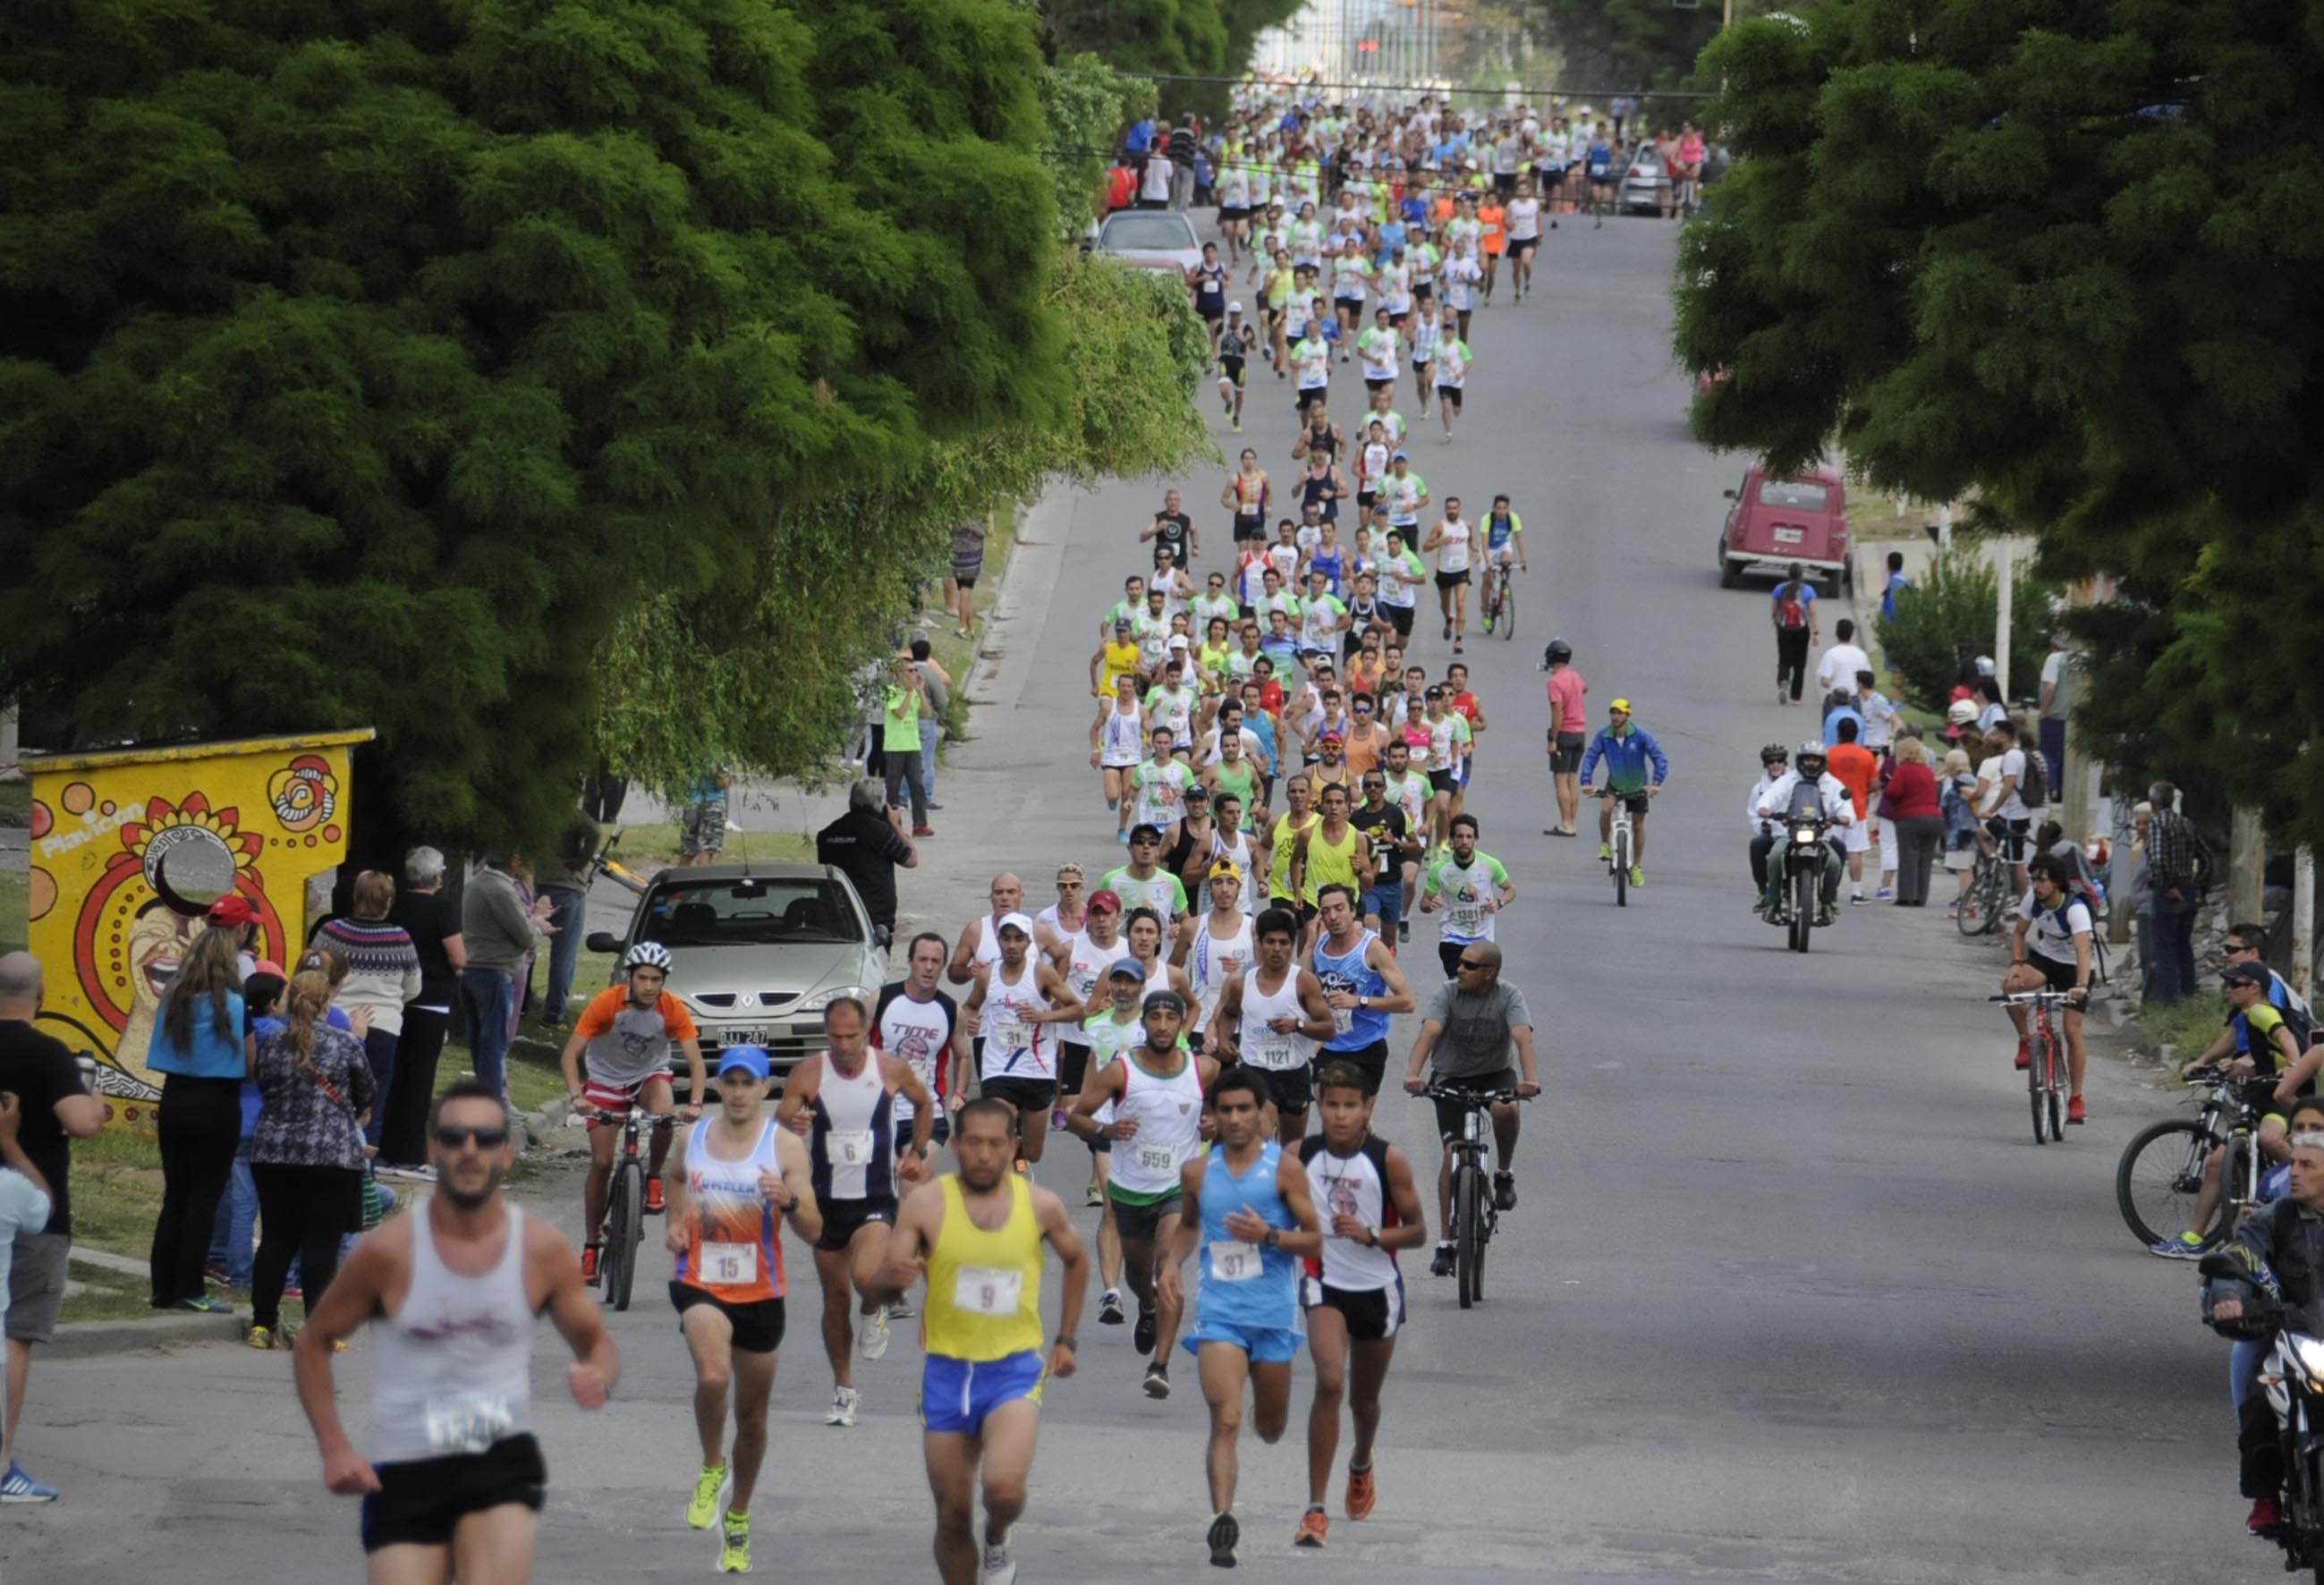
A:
(1169, 1113)
(1013, 1048)
(1208, 964)
(1261, 1046)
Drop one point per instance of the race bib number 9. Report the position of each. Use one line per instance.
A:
(466, 1422)
(730, 1266)
(1231, 1260)
(985, 1290)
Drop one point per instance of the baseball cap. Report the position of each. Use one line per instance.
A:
(750, 1059)
(233, 910)
(1400, 457)
(1164, 999)
(1017, 922)
(1235, 306)
(268, 966)
(1103, 900)
(1195, 793)
(1330, 737)
(1225, 867)
(1127, 966)
(1621, 705)
(1962, 712)
(1122, 624)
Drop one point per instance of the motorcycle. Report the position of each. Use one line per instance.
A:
(1799, 884)
(2291, 1376)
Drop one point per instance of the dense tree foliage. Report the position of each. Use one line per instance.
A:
(2062, 256)
(1173, 38)
(373, 361)
(1626, 43)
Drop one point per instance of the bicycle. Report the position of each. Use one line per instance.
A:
(1987, 898)
(2160, 1177)
(625, 1207)
(1500, 605)
(2046, 1074)
(603, 862)
(1622, 841)
(1474, 1220)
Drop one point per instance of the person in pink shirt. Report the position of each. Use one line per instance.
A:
(1569, 722)
(1686, 170)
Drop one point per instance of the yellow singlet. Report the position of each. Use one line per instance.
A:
(973, 1276)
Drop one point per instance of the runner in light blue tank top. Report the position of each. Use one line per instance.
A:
(1248, 1294)
(1349, 971)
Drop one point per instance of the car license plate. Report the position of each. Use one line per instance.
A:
(1790, 536)
(743, 1036)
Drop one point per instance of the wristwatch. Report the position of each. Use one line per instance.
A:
(1274, 1237)
(1363, 1001)
(1066, 1340)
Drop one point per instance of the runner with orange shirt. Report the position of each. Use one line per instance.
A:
(1492, 236)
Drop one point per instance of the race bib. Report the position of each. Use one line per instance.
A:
(1275, 1053)
(1465, 918)
(1083, 982)
(1344, 1018)
(1156, 1158)
(851, 1147)
(468, 1421)
(729, 1265)
(987, 1290)
(1010, 1035)
(1233, 1260)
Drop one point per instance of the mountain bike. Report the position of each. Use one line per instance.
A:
(1622, 841)
(1987, 898)
(1500, 605)
(2160, 1177)
(2046, 1074)
(625, 1207)
(1474, 1220)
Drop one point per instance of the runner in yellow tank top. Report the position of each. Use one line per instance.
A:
(977, 1238)
(1289, 827)
(1332, 852)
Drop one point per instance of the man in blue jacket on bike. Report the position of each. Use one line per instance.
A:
(1635, 770)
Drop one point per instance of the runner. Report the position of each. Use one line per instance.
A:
(1237, 343)
(1156, 786)
(1453, 360)
(1016, 1056)
(1362, 985)
(1270, 1020)
(1246, 1203)
(1148, 1100)
(1215, 946)
(1143, 883)
(1246, 495)
(979, 943)
(1332, 851)
(1448, 744)
(1451, 540)
(1462, 701)
(1491, 239)
(920, 1024)
(1116, 736)
(454, 1473)
(1461, 275)
(1427, 334)
(845, 1095)
(1471, 888)
(977, 1236)
(1312, 357)
(1298, 815)
(1082, 960)
(626, 1031)
(1524, 221)
(1393, 840)
(735, 1176)
(1353, 1291)
(1208, 282)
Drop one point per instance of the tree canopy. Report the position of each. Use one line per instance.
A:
(2060, 257)
(381, 361)
(1626, 43)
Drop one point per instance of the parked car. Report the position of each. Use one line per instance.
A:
(1161, 240)
(1777, 521)
(1645, 181)
(757, 951)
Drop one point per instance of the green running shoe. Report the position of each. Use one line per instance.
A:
(704, 1507)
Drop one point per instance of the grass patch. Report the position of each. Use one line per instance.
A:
(2188, 1027)
(15, 930)
(116, 1192)
(16, 802)
(107, 1295)
(534, 1079)
(645, 849)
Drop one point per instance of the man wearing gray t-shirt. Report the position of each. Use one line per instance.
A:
(1468, 1028)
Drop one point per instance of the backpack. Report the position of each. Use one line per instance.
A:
(2033, 787)
(1792, 612)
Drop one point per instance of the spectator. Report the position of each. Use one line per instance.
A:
(497, 931)
(2178, 864)
(429, 918)
(1184, 143)
(1985, 693)
(382, 974)
(53, 1106)
(1139, 138)
(967, 566)
(234, 1235)
(1839, 706)
(1915, 814)
(935, 682)
(1792, 610)
(307, 1153)
(1957, 799)
(701, 822)
(2055, 699)
(202, 1047)
(1120, 186)
(562, 875)
(1897, 583)
(2134, 887)
(603, 794)
(1155, 181)
(1843, 660)
(1855, 767)
(902, 702)
(866, 845)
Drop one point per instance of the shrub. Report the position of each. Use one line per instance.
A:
(1947, 618)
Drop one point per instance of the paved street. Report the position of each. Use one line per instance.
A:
(1790, 1293)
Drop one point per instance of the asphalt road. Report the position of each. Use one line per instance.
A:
(1791, 1295)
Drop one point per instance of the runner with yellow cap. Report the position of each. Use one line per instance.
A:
(1214, 947)
(977, 1236)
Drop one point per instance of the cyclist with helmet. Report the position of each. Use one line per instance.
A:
(1774, 760)
(1635, 770)
(1809, 785)
(625, 1032)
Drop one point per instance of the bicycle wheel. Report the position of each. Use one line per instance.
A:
(1997, 895)
(1970, 912)
(2054, 1063)
(1621, 868)
(2159, 1179)
(1469, 1251)
(621, 1229)
(1507, 621)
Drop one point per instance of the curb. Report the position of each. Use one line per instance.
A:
(93, 1340)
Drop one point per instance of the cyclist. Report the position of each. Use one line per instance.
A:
(2273, 1051)
(2051, 947)
(1808, 784)
(1774, 760)
(1635, 770)
(1466, 1031)
(625, 1032)
(1504, 543)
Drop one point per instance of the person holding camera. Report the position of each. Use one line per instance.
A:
(902, 702)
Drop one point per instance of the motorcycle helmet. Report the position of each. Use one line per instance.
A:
(1774, 754)
(1811, 749)
(647, 954)
(1559, 649)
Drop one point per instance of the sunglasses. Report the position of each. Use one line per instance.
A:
(1468, 963)
(452, 1137)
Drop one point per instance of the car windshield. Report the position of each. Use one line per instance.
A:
(1142, 233)
(1794, 495)
(750, 913)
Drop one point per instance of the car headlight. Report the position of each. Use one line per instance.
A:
(824, 998)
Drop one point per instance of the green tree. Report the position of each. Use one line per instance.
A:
(2061, 255)
(368, 361)
(1949, 615)
(1086, 104)
(1628, 43)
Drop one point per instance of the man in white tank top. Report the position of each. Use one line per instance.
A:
(454, 1289)
(1272, 1018)
(1155, 1090)
(1016, 1001)
(734, 1176)
(979, 942)
(1216, 946)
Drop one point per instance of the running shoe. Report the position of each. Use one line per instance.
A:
(16, 1486)
(844, 1402)
(1605, 851)
(1361, 1492)
(589, 1253)
(205, 1305)
(1504, 1191)
(1638, 876)
(873, 1337)
(1314, 1525)
(901, 1309)
(1142, 1339)
(2025, 1058)
(2266, 1515)
(2185, 1247)
(703, 1507)
(1000, 1568)
(1885, 894)
(216, 1276)
(2074, 1111)
(259, 1337)
(1825, 917)
(1759, 904)
(1223, 1535)
(1448, 628)
(1442, 1265)
(654, 1202)
(1109, 1312)
(1857, 899)
(1157, 1380)
(1404, 932)
(1238, 424)
(1094, 1197)
(734, 1557)
(1057, 1119)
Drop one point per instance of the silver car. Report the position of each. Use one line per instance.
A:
(1161, 240)
(1644, 183)
(758, 951)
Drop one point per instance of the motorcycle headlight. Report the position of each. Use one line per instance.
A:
(824, 998)
(1804, 834)
(2309, 1353)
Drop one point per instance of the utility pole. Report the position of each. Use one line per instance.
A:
(2004, 591)
(2246, 864)
(2303, 918)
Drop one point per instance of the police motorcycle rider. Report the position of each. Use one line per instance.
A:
(1807, 791)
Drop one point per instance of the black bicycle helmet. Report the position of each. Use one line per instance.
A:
(1772, 752)
(1559, 649)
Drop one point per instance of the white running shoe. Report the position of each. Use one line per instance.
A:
(844, 1402)
(1000, 1568)
(873, 1337)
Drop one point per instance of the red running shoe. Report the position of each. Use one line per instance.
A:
(653, 1197)
(2025, 1053)
(2266, 1517)
(2074, 1112)
(589, 1265)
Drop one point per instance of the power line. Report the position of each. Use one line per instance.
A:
(1415, 90)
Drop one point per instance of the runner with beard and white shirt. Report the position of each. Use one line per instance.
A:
(1452, 539)
(1214, 946)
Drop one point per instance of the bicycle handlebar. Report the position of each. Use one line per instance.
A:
(1478, 1099)
(2023, 998)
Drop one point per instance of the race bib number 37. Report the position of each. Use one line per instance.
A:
(1231, 1260)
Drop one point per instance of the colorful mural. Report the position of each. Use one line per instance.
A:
(130, 848)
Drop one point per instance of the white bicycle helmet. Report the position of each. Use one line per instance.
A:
(647, 954)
